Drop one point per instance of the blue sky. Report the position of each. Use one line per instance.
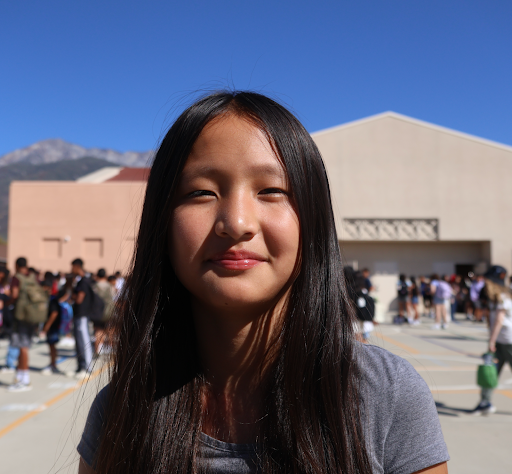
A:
(113, 74)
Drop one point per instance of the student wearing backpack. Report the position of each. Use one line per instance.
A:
(364, 306)
(7, 321)
(106, 292)
(83, 299)
(30, 305)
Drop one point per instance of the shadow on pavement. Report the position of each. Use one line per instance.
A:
(443, 409)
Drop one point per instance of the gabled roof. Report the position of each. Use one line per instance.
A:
(412, 121)
(115, 173)
(101, 175)
(131, 174)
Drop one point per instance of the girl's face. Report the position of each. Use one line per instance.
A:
(234, 234)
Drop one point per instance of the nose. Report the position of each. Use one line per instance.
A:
(237, 216)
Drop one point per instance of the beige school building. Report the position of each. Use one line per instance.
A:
(409, 197)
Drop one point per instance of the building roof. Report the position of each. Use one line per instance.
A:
(414, 121)
(131, 174)
(115, 173)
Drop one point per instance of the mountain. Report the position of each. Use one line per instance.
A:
(64, 170)
(54, 150)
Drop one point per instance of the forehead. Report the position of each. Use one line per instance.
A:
(233, 143)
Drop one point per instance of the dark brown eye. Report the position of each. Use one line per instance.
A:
(201, 192)
(272, 191)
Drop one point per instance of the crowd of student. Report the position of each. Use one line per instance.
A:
(483, 298)
(443, 297)
(52, 306)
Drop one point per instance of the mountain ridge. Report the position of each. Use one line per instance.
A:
(55, 149)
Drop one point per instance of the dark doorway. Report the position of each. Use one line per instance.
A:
(464, 269)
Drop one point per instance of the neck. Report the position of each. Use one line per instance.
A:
(236, 351)
(235, 348)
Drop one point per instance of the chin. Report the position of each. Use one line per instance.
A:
(240, 301)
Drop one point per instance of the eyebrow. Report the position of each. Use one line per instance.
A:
(256, 170)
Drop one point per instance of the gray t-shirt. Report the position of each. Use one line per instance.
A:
(400, 422)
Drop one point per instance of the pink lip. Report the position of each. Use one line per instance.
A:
(237, 260)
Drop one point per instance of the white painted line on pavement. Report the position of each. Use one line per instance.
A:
(23, 407)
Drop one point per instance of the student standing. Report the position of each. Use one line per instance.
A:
(30, 302)
(442, 292)
(415, 293)
(51, 328)
(82, 307)
(402, 289)
(234, 348)
(500, 338)
(107, 294)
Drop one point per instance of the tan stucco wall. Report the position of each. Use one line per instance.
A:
(388, 166)
(51, 223)
(394, 167)
(414, 258)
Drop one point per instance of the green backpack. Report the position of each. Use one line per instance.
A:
(32, 303)
(487, 374)
(105, 293)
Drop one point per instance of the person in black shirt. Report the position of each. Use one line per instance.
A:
(415, 296)
(367, 282)
(81, 311)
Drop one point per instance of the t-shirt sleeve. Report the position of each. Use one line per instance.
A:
(15, 282)
(415, 440)
(53, 306)
(81, 286)
(89, 443)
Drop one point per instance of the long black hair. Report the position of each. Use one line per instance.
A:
(312, 401)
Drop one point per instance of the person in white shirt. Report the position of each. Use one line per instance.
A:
(500, 340)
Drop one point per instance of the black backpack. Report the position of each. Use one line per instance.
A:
(365, 307)
(403, 290)
(97, 304)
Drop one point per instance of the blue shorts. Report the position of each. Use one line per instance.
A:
(52, 337)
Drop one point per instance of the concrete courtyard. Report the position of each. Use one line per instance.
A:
(39, 429)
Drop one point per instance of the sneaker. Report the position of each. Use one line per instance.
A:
(484, 408)
(50, 370)
(7, 370)
(436, 326)
(76, 374)
(445, 326)
(19, 387)
(82, 374)
(66, 343)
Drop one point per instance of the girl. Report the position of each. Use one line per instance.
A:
(415, 297)
(234, 347)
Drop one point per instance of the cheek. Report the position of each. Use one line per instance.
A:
(185, 237)
(283, 237)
